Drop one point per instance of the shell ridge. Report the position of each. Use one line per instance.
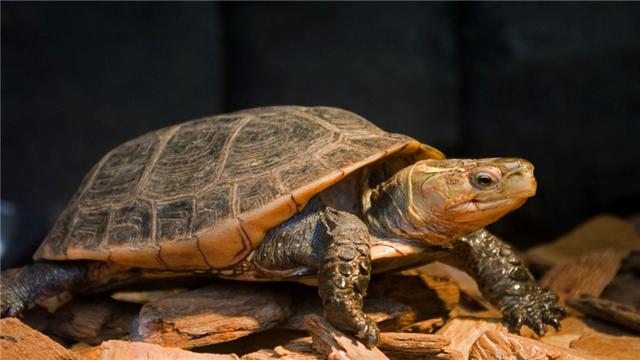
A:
(227, 146)
(233, 194)
(318, 120)
(164, 136)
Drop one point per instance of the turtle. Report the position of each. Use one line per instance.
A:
(287, 193)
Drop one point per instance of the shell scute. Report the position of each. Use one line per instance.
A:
(90, 230)
(259, 147)
(131, 225)
(255, 193)
(342, 156)
(190, 160)
(212, 207)
(119, 173)
(296, 175)
(174, 220)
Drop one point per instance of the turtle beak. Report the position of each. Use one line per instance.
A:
(518, 180)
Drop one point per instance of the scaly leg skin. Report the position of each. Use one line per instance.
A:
(505, 281)
(334, 244)
(24, 286)
(344, 275)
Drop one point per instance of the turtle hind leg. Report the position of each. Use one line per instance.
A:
(24, 286)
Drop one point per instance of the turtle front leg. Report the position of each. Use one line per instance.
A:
(344, 275)
(506, 282)
(334, 244)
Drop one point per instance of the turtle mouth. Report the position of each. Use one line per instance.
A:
(486, 209)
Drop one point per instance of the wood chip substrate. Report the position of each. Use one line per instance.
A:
(431, 312)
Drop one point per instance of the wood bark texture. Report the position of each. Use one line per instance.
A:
(335, 345)
(93, 320)
(118, 350)
(298, 349)
(377, 308)
(494, 344)
(462, 332)
(212, 315)
(588, 275)
(607, 347)
(418, 346)
(609, 311)
(18, 341)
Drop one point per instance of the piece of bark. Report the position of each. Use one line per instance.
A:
(608, 347)
(494, 344)
(462, 332)
(588, 275)
(93, 320)
(596, 234)
(18, 341)
(378, 309)
(411, 290)
(118, 349)
(396, 345)
(268, 354)
(334, 344)
(625, 287)
(463, 281)
(298, 349)
(573, 328)
(422, 346)
(610, 311)
(213, 314)
(143, 297)
(446, 290)
(428, 326)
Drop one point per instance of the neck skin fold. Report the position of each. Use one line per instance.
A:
(393, 214)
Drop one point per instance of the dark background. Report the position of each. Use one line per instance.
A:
(556, 83)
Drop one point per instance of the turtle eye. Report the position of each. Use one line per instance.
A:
(483, 180)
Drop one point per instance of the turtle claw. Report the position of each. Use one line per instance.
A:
(370, 334)
(555, 323)
(539, 329)
(517, 320)
(11, 303)
(536, 310)
(11, 307)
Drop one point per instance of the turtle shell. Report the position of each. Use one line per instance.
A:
(203, 194)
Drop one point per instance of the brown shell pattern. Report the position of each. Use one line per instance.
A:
(202, 194)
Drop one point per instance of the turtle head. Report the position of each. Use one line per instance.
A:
(441, 200)
(471, 191)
